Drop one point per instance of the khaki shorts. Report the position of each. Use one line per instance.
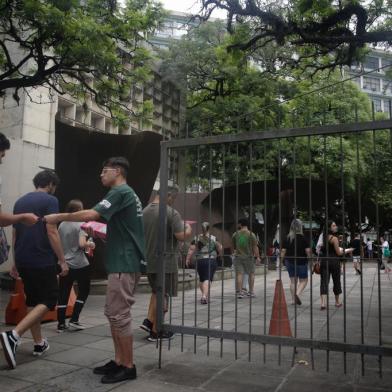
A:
(171, 281)
(119, 300)
(244, 264)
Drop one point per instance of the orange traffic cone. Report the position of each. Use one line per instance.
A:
(17, 309)
(280, 323)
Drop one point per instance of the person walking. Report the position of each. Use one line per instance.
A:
(124, 261)
(245, 251)
(207, 249)
(296, 250)
(36, 251)
(75, 244)
(330, 265)
(176, 230)
(357, 253)
(385, 253)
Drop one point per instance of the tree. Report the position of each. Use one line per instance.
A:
(339, 29)
(251, 97)
(92, 48)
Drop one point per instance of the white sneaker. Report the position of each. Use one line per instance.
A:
(76, 326)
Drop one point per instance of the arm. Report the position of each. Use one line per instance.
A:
(184, 234)
(54, 240)
(191, 250)
(219, 248)
(9, 219)
(335, 242)
(283, 254)
(14, 272)
(79, 216)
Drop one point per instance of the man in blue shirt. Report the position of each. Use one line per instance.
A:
(36, 251)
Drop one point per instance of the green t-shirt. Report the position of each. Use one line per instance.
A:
(151, 228)
(244, 242)
(122, 210)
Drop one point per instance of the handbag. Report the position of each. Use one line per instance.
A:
(4, 247)
(387, 252)
(316, 268)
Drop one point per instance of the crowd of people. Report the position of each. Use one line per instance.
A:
(50, 256)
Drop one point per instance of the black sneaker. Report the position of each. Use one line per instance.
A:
(164, 336)
(146, 325)
(108, 368)
(9, 344)
(62, 327)
(121, 374)
(40, 349)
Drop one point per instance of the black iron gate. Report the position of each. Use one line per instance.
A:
(271, 178)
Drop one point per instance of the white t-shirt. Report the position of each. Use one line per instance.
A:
(369, 245)
(385, 245)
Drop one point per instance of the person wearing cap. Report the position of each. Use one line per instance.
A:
(206, 248)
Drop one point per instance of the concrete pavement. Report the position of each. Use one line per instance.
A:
(68, 364)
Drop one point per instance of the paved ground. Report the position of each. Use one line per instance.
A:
(67, 366)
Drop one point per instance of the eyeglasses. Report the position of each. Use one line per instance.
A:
(106, 169)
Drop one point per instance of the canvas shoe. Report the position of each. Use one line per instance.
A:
(10, 344)
(39, 349)
(154, 337)
(76, 326)
(62, 327)
(146, 325)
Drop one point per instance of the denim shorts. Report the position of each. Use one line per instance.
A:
(300, 270)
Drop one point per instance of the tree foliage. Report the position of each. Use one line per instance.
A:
(337, 28)
(92, 48)
(229, 93)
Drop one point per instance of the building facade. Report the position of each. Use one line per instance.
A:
(373, 79)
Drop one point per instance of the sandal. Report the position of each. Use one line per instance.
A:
(339, 305)
(322, 308)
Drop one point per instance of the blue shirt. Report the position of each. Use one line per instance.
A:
(32, 246)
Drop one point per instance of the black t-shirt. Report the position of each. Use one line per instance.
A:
(296, 248)
(32, 246)
(356, 244)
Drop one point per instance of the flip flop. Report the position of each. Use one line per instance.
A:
(339, 305)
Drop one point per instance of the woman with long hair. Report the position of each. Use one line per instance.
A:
(295, 252)
(330, 264)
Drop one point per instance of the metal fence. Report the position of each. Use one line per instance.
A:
(272, 177)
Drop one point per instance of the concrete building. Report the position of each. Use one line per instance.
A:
(373, 80)
(30, 126)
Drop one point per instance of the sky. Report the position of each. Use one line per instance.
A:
(188, 6)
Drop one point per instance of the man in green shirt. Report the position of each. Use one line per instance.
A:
(124, 261)
(245, 250)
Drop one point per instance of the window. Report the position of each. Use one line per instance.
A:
(377, 104)
(386, 106)
(386, 63)
(371, 62)
(387, 87)
(372, 84)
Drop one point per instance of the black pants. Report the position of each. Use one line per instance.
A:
(82, 277)
(328, 268)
